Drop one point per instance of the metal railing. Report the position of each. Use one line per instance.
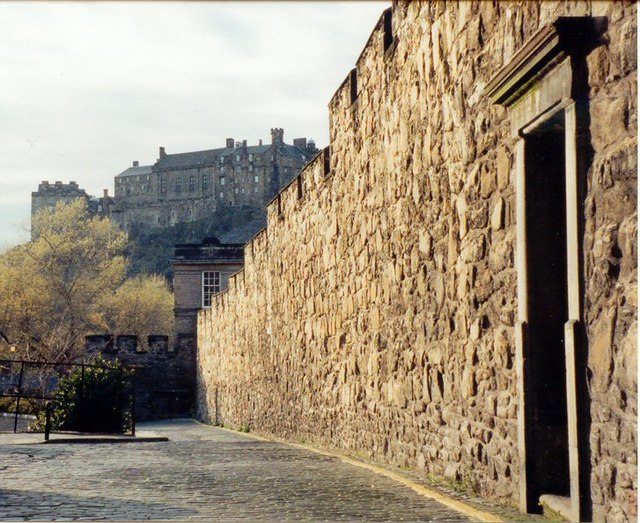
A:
(42, 386)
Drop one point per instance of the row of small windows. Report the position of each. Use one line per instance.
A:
(192, 183)
(131, 179)
(249, 157)
(236, 190)
(238, 168)
(239, 156)
(256, 179)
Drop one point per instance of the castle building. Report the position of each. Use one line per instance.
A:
(48, 195)
(185, 187)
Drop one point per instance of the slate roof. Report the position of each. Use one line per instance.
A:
(135, 171)
(209, 157)
(184, 160)
(251, 149)
(212, 156)
(210, 250)
(291, 151)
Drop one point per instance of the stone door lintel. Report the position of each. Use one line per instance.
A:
(567, 36)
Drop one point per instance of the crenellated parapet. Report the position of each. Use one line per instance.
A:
(165, 370)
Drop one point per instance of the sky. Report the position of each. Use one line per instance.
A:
(86, 88)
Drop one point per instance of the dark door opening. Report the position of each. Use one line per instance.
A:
(544, 352)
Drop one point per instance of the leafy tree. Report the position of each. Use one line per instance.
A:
(51, 288)
(70, 281)
(142, 305)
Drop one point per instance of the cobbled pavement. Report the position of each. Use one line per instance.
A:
(201, 473)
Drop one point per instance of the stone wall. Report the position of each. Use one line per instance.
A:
(376, 312)
(610, 244)
(164, 373)
(49, 195)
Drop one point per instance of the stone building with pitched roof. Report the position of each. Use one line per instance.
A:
(186, 187)
(199, 272)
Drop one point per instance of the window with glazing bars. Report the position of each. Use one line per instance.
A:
(210, 286)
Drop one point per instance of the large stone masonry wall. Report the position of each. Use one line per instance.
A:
(376, 312)
(165, 372)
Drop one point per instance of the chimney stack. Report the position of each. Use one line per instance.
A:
(230, 143)
(105, 192)
(135, 162)
(162, 153)
(260, 141)
(277, 136)
(300, 142)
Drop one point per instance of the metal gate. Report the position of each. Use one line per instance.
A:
(29, 388)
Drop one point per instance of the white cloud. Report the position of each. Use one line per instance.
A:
(88, 87)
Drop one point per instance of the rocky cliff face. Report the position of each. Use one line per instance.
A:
(152, 250)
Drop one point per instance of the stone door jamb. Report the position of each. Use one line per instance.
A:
(538, 85)
(570, 508)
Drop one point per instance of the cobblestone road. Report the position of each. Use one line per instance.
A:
(201, 473)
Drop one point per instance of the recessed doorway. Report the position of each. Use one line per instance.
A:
(547, 304)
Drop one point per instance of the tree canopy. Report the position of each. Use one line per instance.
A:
(142, 305)
(70, 281)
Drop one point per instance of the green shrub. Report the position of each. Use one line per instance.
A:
(99, 404)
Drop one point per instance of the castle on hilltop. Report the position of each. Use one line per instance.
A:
(49, 194)
(185, 187)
